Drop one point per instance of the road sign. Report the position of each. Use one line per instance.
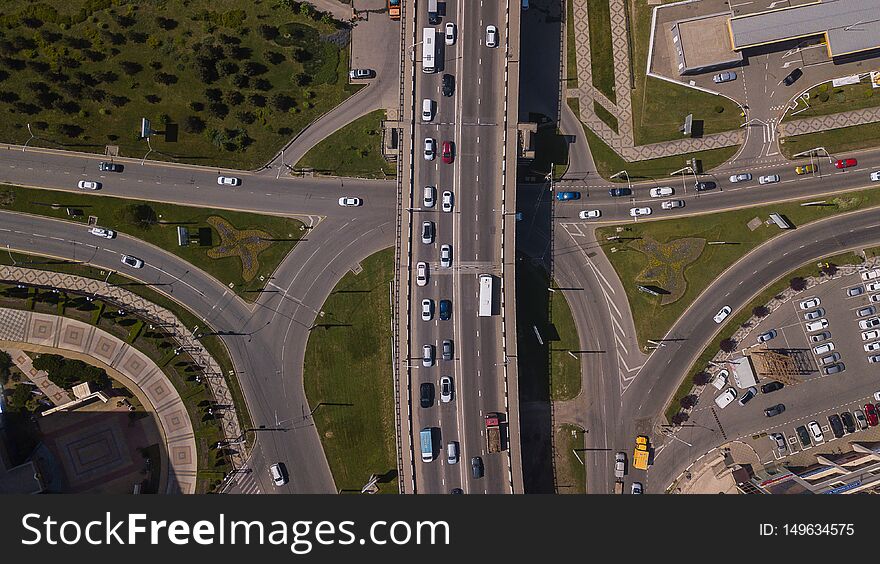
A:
(688, 125)
(647, 290)
(145, 128)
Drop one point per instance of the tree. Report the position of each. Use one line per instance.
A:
(166, 23)
(218, 110)
(152, 98)
(139, 215)
(246, 117)
(193, 124)
(227, 68)
(196, 106)
(282, 102)
(701, 378)
(164, 78)
(257, 100)
(241, 81)
(688, 401)
(268, 32)
(214, 94)
(760, 311)
(728, 345)
(234, 97)
(262, 84)
(21, 396)
(253, 68)
(302, 79)
(828, 269)
(273, 57)
(130, 67)
(797, 284)
(679, 418)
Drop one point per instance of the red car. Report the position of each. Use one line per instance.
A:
(448, 152)
(871, 414)
(845, 163)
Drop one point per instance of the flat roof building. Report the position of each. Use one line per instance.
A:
(849, 26)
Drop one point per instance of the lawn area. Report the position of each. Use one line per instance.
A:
(571, 476)
(606, 116)
(825, 99)
(571, 75)
(223, 82)
(354, 150)
(732, 324)
(835, 141)
(601, 60)
(348, 370)
(609, 162)
(659, 107)
(565, 371)
(157, 223)
(653, 317)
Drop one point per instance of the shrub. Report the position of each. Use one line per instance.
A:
(760, 311)
(701, 378)
(719, 109)
(728, 345)
(688, 401)
(193, 124)
(797, 284)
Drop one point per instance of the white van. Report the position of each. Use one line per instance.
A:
(720, 379)
(724, 399)
(452, 452)
(427, 110)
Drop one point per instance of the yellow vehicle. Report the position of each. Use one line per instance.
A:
(640, 455)
(805, 169)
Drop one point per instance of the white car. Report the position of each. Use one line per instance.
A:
(817, 325)
(720, 379)
(824, 348)
(870, 335)
(278, 477)
(742, 177)
(816, 431)
(768, 179)
(636, 488)
(427, 309)
(874, 298)
(636, 212)
(590, 214)
(672, 204)
(131, 261)
(661, 191)
(449, 34)
(872, 346)
(447, 201)
(722, 314)
(445, 256)
(422, 274)
(811, 303)
(88, 185)
(873, 287)
(871, 274)
(875, 176)
(491, 36)
(869, 323)
(228, 181)
(445, 389)
(725, 398)
(350, 202)
(102, 232)
(430, 149)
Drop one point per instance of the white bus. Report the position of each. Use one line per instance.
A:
(426, 438)
(429, 48)
(487, 282)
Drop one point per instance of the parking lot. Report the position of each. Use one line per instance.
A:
(829, 325)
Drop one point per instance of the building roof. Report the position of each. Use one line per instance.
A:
(849, 26)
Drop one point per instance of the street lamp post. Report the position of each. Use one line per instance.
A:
(23, 149)
(626, 174)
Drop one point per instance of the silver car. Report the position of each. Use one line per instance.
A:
(445, 256)
(427, 355)
(726, 76)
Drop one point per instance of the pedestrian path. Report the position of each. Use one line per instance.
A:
(39, 377)
(830, 121)
(246, 484)
(622, 140)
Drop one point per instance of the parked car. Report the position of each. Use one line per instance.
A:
(849, 423)
(792, 77)
(661, 191)
(855, 291)
(834, 369)
(866, 311)
(102, 232)
(722, 314)
(725, 398)
(355, 74)
(751, 392)
(88, 185)
(742, 177)
(445, 389)
(817, 325)
(845, 163)
(874, 358)
(824, 348)
(590, 214)
(447, 201)
(228, 181)
(869, 347)
(109, 167)
(869, 323)
(774, 410)
(445, 310)
(427, 309)
(805, 169)
(702, 186)
(875, 176)
(636, 212)
(672, 204)
(348, 201)
(563, 196)
(448, 152)
(764, 337)
(873, 286)
(720, 379)
(131, 261)
(870, 275)
(426, 394)
(861, 420)
(491, 36)
(815, 431)
(871, 414)
(779, 441)
(619, 192)
(819, 337)
(810, 303)
(836, 425)
(770, 387)
(804, 436)
(815, 314)
(448, 85)
(830, 359)
(870, 335)
(726, 76)
(768, 179)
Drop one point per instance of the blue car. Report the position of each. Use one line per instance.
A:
(562, 196)
(617, 192)
(445, 310)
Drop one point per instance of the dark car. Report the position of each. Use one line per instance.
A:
(774, 410)
(477, 467)
(792, 77)
(457, 491)
(803, 435)
(447, 349)
(448, 85)
(618, 192)
(445, 310)
(849, 422)
(426, 394)
(836, 425)
(751, 392)
(109, 167)
(771, 387)
(704, 185)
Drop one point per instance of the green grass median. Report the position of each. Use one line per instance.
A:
(354, 150)
(348, 377)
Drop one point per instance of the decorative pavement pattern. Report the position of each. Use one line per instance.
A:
(830, 121)
(155, 314)
(622, 141)
(80, 337)
(57, 395)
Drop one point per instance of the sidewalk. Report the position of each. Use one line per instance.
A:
(41, 331)
(830, 121)
(38, 377)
